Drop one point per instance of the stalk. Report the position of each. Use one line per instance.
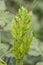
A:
(19, 62)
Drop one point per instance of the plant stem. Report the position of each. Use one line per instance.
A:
(19, 62)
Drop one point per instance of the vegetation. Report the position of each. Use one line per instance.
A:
(8, 38)
(22, 33)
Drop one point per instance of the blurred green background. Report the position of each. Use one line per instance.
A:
(8, 9)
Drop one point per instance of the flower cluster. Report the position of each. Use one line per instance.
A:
(22, 32)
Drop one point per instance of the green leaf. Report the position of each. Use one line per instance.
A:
(39, 63)
(3, 49)
(2, 5)
(2, 62)
(34, 47)
(5, 18)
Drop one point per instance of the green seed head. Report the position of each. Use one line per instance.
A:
(22, 32)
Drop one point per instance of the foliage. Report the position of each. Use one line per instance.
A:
(2, 5)
(2, 62)
(40, 63)
(14, 5)
(35, 54)
(38, 17)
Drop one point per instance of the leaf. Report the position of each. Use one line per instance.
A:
(39, 63)
(34, 47)
(3, 49)
(2, 5)
(2, 62)
(5, 18)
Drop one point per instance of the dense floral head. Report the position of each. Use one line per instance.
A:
(22, 32)
(21, 23)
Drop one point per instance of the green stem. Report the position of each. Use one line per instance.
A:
(19, 62)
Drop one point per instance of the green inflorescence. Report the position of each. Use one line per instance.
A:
(22, 33)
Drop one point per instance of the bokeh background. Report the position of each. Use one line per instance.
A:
(8, 9)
